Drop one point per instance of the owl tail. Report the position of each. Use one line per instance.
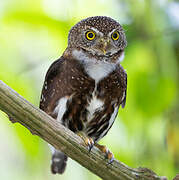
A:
(59, 161)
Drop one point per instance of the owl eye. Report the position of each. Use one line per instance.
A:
(90, 35)
(115, 36)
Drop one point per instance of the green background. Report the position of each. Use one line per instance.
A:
(33, 33)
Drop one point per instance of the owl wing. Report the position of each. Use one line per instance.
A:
(65, 79)
(123, 80)
(48, 95)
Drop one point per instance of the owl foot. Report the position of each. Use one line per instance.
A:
(87, 140)
(108, 154)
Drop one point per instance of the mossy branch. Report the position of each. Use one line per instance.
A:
(42, 125)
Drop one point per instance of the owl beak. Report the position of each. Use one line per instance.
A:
(104, 45)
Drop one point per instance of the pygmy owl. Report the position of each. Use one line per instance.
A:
(85, 87)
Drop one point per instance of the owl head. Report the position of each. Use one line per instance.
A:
(98, 35)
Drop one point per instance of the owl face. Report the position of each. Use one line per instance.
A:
(99, 35)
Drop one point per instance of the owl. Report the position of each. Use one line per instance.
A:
(85, 87)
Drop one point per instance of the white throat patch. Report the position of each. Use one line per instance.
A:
(94, 68)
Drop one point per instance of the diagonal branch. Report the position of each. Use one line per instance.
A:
(39, 123)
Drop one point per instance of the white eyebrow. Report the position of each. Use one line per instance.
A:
(112, 32)
(97, 31)
(117, 29)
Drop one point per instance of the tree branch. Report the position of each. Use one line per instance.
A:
(39, 123)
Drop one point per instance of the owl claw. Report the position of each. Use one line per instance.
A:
(92, 144)
(110, 157)
(90, 147)
(88, 141)
(108, 154)
(110, 161)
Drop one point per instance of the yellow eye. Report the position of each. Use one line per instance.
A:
(115, 36)
(90, 35)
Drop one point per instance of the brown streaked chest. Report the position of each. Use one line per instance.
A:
(89, 90)
(105, 74)
(106, 92)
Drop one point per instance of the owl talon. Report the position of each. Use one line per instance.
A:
(88, 141)
(110, 161)
(89, 147)
(108, 154)
(110, 157)
(91, 144)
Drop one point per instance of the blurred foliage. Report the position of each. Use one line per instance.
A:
(33, 33)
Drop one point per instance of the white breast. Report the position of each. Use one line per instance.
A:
(94, 105)
(98, 70)
(95, 69)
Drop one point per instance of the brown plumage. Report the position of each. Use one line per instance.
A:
(85, 87)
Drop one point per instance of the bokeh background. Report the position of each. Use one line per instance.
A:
(33, 33)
